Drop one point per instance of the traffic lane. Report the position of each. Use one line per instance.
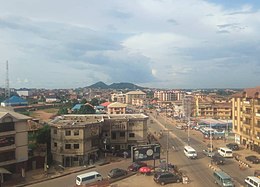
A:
(143, 181)
(197, 171)
(232, 168)
(70, 180)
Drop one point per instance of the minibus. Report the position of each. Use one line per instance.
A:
(252, 181)
(89, 177)
(190, 152)
(222, 179)
(225, 152)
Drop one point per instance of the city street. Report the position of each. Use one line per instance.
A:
(197, 170)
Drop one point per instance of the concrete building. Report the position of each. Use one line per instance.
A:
(134, 95)
(246, 118)
(77, 139)
(169, 95)
(116, 108)
(118, 97)
(208, 107)
(13, 141)
(24, 93)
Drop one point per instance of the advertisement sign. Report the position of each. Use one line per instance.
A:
(145, 152)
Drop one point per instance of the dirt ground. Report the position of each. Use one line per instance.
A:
(44, 115)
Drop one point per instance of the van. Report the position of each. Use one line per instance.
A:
(89, 177)
(225, 152)
(190, 152)
(252, 181)
(222, 179)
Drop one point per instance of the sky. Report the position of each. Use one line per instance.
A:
(170, 44)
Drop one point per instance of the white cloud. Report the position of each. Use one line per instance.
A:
(158, 43)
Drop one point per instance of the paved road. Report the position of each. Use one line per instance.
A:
(197, 171)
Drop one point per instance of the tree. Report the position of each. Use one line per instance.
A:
(86, 109)
(44, 137)
(63, 110)
(94, 102)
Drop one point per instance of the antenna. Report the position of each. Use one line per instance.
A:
(7, 89)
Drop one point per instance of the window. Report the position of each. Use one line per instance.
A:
(76, 132)
(55, 144)
(67, 132)
(67, 146)
(113, 134)
(131, 135)
(122, 134)
(76, 146)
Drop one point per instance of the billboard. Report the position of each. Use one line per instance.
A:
(145, 152)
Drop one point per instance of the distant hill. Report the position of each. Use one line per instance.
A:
(121, 85)
(99, 84)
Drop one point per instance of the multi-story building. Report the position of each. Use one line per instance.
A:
(77, 139)
(134, 95)
(246, 118)
(116, 108)
(169, 95)
(13, 141)
(118, 97)
(208, 107)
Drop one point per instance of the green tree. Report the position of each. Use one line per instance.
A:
(44, 137)
(94, 102)
(83, 101)
(86, 109)
(63, 110)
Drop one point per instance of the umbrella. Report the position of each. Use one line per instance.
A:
(145, 169)
(3, 170)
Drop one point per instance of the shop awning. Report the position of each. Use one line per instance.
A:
(3, 170)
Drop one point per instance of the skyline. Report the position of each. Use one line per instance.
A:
(151, 43)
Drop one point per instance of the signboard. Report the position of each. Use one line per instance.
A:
(145, 152)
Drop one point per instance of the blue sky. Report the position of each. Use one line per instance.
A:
(155, 43)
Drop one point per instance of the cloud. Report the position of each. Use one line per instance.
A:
(153, 43)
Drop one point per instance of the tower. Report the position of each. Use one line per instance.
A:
(7, 89)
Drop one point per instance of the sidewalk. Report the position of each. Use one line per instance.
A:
(38, 175)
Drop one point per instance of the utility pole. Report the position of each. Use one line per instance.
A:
(7, 89)
(167, 155)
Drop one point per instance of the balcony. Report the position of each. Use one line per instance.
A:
(246, 102)
(9, 147)
(4, 163)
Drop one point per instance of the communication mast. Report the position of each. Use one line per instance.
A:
(7, 89)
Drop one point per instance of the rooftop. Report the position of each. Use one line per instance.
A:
(88, 119)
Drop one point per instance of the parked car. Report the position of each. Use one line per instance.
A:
(233, 146)
(117, 172)
(166, 178)
(218, 159)
(136, 166)
(208, 152)
(253, 159)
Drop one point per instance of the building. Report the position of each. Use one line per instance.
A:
(13, 141)
(116, 108)
(169, 95)
(134, 94)
(24, 93)
(208, 107)
(75, 139)
(246, 118)
(118, 97)
(78, 139)
(14, 101)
